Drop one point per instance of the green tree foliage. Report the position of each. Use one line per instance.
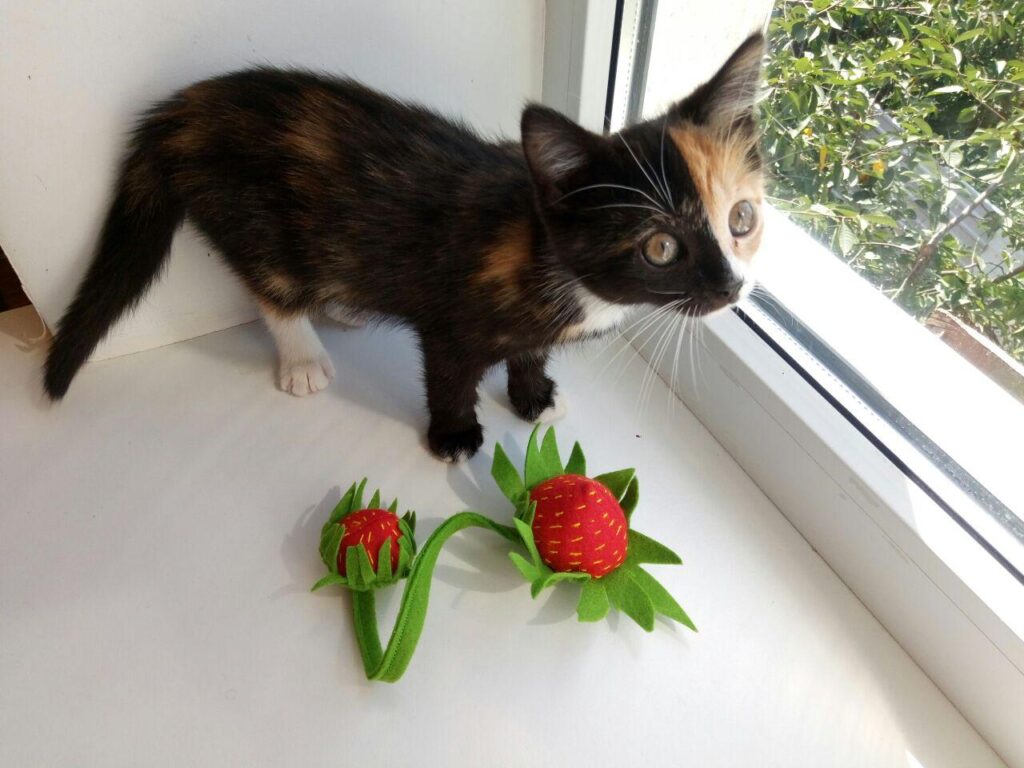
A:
(885, 120)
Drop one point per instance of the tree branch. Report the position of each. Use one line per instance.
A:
(1009, 275)
(928, 250)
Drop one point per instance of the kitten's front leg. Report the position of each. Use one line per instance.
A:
(454, 433)
(533, 394)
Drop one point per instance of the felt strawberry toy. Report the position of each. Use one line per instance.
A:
(366, 547)
(576, 528)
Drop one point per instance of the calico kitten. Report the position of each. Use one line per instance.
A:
(325, 196)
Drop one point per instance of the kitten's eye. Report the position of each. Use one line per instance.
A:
(661, 249)
(741, 218)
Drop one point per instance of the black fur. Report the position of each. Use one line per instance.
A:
(317, 190)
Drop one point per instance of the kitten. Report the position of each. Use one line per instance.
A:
(325, 196)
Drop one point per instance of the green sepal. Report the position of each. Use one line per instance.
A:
(526, 533)
(643, 549)
(384, 562)
(374, 501)
(357, 500)
(506, 476)
(660, 597)
(616, 481)
(553, 577)
(366, 574)
(593, 604)
(526, 568)
(328, 580)
(330, 541)
(393, 507)
(407, 527)
(552, 462)
(630, 497)
(626, 595)
(533, 469)
(343, 507)
(577, 464)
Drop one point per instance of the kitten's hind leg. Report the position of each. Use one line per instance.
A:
(342, 315)
(305, 367)
(533, 394)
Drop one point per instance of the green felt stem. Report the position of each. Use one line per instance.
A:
(389, 664)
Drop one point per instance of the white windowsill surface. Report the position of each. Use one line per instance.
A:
(158, 536)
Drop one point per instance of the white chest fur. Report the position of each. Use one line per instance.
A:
(599, 316)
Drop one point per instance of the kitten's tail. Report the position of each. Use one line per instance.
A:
(134, 244)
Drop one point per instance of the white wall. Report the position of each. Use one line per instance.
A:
(74, 74)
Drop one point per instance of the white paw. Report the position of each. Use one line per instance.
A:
(306, 378)
(555, 411)
(342, 315)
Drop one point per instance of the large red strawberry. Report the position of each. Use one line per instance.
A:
(579, 525)
(373, 528)
(577, 528)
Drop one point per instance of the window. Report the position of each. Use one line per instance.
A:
(872, 385)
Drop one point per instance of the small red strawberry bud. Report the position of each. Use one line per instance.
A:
(579, 525)
(371, 528)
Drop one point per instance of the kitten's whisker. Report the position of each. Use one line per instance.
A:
(648, 320)
(660, 185)
(623, 187)
(658, 335)
(664, 178)
(628, 205)
(657, 357)
(637, 161)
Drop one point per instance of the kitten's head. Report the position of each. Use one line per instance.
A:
(666, 210)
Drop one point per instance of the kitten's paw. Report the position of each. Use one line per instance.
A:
(306, 378)
(453, 446)
(543, 404)
(554, 412)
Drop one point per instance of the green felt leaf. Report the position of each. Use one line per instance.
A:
(352, 567)
(506, 475)
(384, 561)
(626, 595)
(631, 497)
(526, 533)
(660, 597)
(329, 546)
(344, 505)
(616, 481)
(593, 604)
(534, 467)
(643, 549)
(393, 507)
(549, 454)
(326, 581)
(366, 574)
(529, 570)
(374, 500)
(577, 464)
(357, 500)
(407, 525)
(405, 558)
(553, 577)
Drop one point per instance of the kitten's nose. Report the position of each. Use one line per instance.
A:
(731, 291)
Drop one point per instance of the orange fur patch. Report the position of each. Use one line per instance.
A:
(723, 176)
(505, 262)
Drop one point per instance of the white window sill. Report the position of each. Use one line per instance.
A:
(948, 602)
(158, 537)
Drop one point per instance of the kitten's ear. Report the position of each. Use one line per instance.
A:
(557, 150)
(730, 95)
